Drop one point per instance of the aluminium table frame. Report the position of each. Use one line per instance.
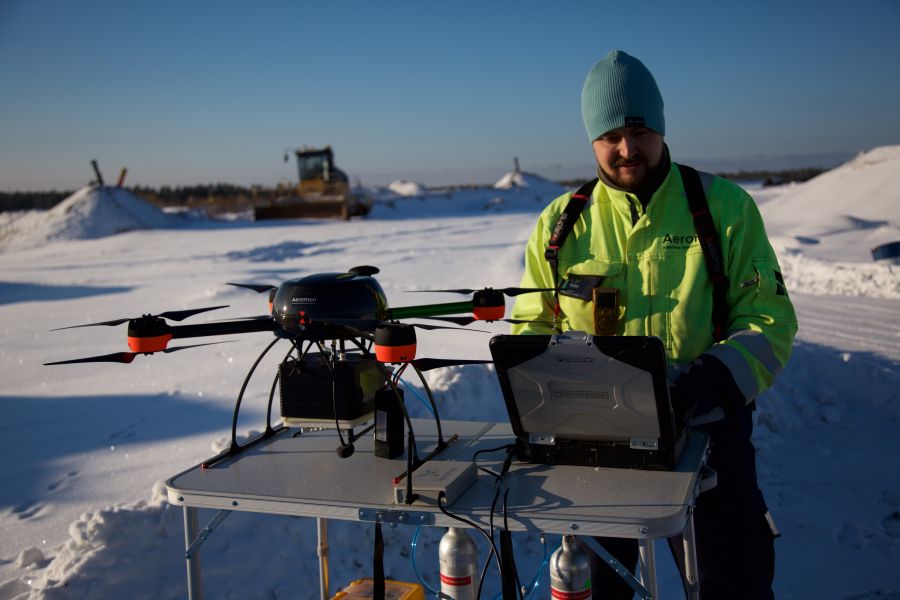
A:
(300, 475)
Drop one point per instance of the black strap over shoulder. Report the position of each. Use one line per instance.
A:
(561, 231)
(568, 218)
(712, 247)
(703, 224)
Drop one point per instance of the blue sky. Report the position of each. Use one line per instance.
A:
(438, 92)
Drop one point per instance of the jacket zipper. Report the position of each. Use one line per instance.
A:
(635, 216)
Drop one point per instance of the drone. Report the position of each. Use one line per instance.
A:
(347, 352)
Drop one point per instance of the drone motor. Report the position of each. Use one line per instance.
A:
(395, 343)
(488, 305)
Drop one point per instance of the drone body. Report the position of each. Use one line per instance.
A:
(301, 304)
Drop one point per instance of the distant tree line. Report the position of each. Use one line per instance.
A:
(767, 177)
(775, 177)
(30, 200)
(190, 194)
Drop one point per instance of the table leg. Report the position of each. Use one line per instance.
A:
(691, 571)
(647, 551)
(322, 551)
(191, 529)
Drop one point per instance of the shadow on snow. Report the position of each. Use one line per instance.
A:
(40, 431)
(11, 293)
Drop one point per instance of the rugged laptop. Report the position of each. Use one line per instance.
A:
(579, 399)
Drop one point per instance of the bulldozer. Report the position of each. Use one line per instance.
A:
(323, 191)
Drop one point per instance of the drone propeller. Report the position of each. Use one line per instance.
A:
(259, 288)
(368, 326)
(172, 315)
(123, 357)
(244, 319)
(469, 320)
(426, 364)
(510, 291)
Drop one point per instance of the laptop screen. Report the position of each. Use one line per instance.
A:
(579, 387)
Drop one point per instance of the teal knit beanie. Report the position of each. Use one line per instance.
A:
(620, 92)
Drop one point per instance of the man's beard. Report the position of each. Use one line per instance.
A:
(629, 181)
(643, 181)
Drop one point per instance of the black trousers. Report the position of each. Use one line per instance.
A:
(735, 550)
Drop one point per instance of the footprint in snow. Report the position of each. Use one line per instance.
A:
(61, 483)
(125, 433)
(28, 509)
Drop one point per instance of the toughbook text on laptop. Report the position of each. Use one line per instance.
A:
(578, 399)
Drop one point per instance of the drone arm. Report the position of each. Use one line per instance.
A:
(430, 310)
(222, 328)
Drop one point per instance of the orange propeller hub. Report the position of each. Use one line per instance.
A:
(395, 343)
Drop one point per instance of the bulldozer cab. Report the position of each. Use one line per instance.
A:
(323, 191)
(318, 174)
(318, 165)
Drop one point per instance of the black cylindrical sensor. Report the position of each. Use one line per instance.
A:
(389, 425)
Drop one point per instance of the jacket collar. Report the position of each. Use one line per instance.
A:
(623, 201)
(658, 177)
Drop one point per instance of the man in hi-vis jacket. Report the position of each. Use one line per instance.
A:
(646, 257)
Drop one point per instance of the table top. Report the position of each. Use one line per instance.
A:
(302, 475)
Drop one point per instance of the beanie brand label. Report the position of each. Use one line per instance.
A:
(634, 122)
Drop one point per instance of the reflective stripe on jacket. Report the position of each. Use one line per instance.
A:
(656, 262)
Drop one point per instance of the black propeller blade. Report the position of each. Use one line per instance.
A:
(253, 318)
(259, 288)
(426, 364)
(510, 291)
(123, 357)
(172, 315)
(430, 327)
(369, 325)
(469, 320)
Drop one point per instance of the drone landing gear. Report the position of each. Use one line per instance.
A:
(235, 448)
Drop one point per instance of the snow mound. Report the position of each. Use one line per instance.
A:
(91, 212)
(402, 187)
(469, 201)
(521, 179)
(808, 275)
(841, 214)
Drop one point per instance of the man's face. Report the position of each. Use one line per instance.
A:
(627, 155)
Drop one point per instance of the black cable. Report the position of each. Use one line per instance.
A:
(323, 351)
(442, 497)
(512, 560)
(497, 480)
(492, 553)
(486, 450)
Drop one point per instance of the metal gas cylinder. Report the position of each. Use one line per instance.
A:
(458, 557)
(570, 572)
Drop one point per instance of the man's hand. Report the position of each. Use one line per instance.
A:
(705, 385)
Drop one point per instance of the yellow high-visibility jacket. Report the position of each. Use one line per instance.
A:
(656, 262)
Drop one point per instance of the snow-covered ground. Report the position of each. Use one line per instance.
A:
(86, 447)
